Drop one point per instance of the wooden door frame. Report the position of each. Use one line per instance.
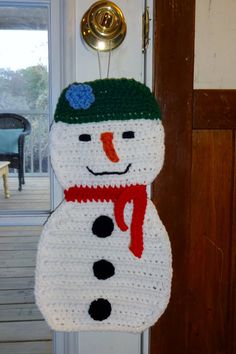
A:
(197, 122)
(174, 27)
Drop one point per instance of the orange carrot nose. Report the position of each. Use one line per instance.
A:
(108, 146)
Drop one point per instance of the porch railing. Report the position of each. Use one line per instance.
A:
(36, 146)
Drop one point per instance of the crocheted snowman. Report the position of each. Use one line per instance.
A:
(104, 257)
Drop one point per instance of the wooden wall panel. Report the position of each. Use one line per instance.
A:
(214, 109)
(195, 194)
(173, 65)
(210, 251)
(232, 279)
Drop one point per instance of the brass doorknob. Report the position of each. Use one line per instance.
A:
(103, 26)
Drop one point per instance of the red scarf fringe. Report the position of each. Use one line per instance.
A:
(119, 196)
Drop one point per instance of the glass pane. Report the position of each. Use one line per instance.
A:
(22, 327)
(24, 91)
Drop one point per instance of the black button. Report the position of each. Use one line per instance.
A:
(103, 226)
(103, 269)
(100, 309)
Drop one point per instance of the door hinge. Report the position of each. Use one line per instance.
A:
(146, 29)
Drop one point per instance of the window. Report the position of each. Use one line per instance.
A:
(24, 90)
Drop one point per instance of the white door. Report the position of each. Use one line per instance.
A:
(71, 60)
(81, 63)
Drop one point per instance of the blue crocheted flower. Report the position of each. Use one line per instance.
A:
(80, 96)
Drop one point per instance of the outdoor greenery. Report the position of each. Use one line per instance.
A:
(24, 89)
(25, 92)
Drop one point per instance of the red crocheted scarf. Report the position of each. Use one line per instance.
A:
(119, 196)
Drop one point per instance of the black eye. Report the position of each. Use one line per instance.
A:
(84, 137)
(128, 135)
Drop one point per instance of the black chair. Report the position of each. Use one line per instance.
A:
(15, 121)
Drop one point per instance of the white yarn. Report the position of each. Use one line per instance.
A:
(65, 284)
(69, 156)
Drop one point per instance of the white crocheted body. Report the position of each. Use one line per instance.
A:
(71, 158)
(138, 291)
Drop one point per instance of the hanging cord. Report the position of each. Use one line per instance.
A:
(109, 60)
(99, 64)
(108, 63)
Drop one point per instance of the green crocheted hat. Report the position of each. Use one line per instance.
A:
(107, 99)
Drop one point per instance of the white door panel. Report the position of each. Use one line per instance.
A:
(101, 342)
(126, 60)
(110, 342)
(80, 63)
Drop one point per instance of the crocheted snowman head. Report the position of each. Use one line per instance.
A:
(107, 133)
